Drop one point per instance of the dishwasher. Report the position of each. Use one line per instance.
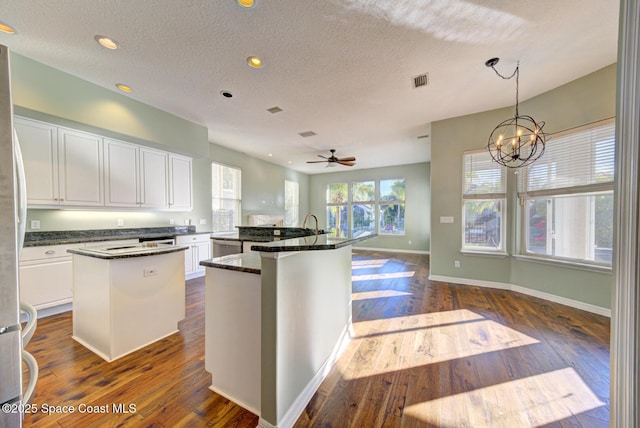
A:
(222, 247)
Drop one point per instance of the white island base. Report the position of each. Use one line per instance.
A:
(123, 304)
(273, 331)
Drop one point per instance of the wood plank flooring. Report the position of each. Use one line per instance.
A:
(425, 354)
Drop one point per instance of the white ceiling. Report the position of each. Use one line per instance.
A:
(340, 68)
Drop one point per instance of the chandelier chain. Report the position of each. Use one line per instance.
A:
(516, 73)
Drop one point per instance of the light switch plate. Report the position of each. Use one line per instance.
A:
(35, 224)
(448, 219)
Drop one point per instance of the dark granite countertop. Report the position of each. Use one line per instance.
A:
(34, 239)
(242, 262)
(251, 262)
(263, 233)
(147, 252)
(309, 243)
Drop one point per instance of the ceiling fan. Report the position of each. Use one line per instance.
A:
(331, 160)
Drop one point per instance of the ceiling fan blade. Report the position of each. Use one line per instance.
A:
(349, 159)
(323, 157)
(317, 161)
(341, 162)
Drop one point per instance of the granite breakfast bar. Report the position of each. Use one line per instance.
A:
(276, 320)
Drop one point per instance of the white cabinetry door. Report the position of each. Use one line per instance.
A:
(80, 168)
(39, 144)
(121, 174)
(153, 178)
(203, 251)
(180, 183)
(46, 275)
(199, 249)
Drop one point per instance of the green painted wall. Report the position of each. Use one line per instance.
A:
(585, 100)
(43, 93)
(417, 209)
(58, 97)
(262, 183)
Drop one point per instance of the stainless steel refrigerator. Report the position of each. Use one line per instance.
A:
(13, 337)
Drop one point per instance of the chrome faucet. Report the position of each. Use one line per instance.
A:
(304, 223)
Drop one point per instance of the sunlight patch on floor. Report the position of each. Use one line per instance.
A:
(529, 402)
(378, 294)
(433, 338)
(368, 266)
(381, 276)
(369, 261)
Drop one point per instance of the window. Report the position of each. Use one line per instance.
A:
(226, 183)
(337, 210)
(484, 202)
(291, 203)
(391, 207)
(353, 213)
(363, 213)
(568, 197)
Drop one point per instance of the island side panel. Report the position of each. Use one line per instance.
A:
(307, 299)
(147, 300)
(91, 302)
(232, 335)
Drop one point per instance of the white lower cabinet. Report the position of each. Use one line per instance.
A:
(46, 275)
(199, 249)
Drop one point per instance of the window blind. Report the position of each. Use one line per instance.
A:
(575, 163)
(483, 178)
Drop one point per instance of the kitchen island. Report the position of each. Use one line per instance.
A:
(126, 296)
(276, 320)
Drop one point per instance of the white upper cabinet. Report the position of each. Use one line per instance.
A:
(65, 167)
(62, 166)
(80, 168)
(180, 185)
(154, 178)
(39, 144)
(121, 174)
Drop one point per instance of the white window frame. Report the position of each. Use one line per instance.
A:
(398, 202)
(219, 195)
(291, 203)
(473, 163)
(585, 185)
(372, 202)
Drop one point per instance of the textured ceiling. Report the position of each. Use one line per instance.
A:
(341, 68)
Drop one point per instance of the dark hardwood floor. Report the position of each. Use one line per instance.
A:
(425, 354)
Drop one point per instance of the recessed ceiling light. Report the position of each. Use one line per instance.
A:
(270, 155)
(246, 3)
(254, 62)
(7, 28)
(106, 42)
(123, 87)
(289, 162)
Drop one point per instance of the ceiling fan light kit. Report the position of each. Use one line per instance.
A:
(332, 160)
(519, 140)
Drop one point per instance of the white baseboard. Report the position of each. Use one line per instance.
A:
(296, 409)
(391, 250)
(193, 275)
(528, 291)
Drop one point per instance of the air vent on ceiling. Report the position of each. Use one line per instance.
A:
(421, 80)
(275, 109)
(307, 134)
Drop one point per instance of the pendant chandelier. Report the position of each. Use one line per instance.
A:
(519, 140)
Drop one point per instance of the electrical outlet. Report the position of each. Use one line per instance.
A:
(203, 221)
(172, 221)
(149, 272)
(35, 224)
(456, 263)
(409, 242)
(276, 232)
(120, 222)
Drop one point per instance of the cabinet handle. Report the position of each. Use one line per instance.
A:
(49, 252)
